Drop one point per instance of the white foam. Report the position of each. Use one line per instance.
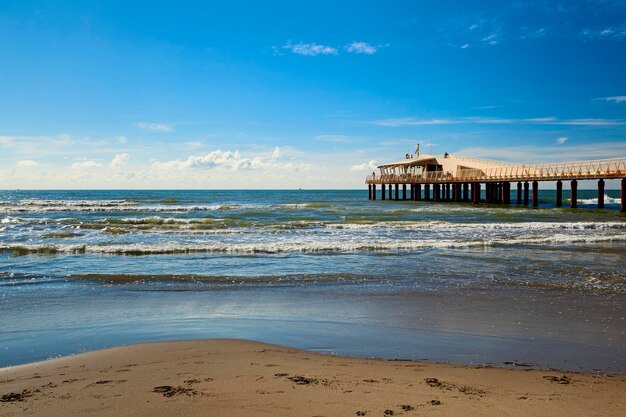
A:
(313, 245)
(442, 225)
(594, 201)
(42, 206)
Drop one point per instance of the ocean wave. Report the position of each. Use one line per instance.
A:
(594, 201)
(49, 206)
(241, 222)
(443, 225)
(228, 279)
(304, 246)
(606, 283)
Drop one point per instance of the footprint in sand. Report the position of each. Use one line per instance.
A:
(17, 396)
(564, 380)
(170, 391)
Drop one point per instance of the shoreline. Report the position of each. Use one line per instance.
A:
(236, 377)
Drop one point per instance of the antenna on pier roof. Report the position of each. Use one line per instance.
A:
(417, 150)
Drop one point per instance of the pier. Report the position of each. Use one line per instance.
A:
(460, 179)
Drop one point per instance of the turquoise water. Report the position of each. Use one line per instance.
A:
(322, 270)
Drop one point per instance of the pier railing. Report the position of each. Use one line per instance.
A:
(593, 169)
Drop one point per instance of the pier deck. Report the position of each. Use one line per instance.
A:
(451, 176)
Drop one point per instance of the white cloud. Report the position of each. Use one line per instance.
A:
(607, 33)
(488, 120)
(491, 39)
(614, 99)
(410, 121)
(365, 166)
(474, 29)
(529, 34)
(155, 127)
(121, 139)
(24, 163)
(561, 140)
(231, 161)
(554, 153)
(588, 122)
(119, 160)
(310, 49)
(336, 138)
(194, 144)
(86, 164)
(361, 48)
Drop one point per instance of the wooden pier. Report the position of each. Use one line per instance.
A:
(460, 179)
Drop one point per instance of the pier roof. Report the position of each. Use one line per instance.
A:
(411, 161)
(455, 168)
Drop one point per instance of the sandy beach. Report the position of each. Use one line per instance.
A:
(225, 377)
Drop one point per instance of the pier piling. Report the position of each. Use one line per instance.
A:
(477, 193)
(526, 187)
(382, 191)
(519, 192)
(601, 193)
(574, 194)
(436, 193)
(623, 196)
(403, 191)
(465, 191)
(373, 191)
(506, 193)
(535, 194)
(397, 191)
(559, 193)
(427, 192)
(418, 192)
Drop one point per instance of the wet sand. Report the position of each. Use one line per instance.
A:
(225, 377)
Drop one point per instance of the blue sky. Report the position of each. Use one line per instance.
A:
(121, 94)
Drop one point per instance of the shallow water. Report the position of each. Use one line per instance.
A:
(322, 270)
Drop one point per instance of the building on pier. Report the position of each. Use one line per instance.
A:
(459, 178)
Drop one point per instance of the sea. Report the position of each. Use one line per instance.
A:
(325, 270)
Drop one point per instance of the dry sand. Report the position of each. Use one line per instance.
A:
(241, 378)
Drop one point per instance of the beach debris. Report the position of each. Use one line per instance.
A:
(434, 402)
(192, 381)
(361, 413)
(281, 374)
(433, 382)
(407, 407)
(301, 380)
(565, 380)
(463, 389)
(515, 363)
(17, 396)
(170, 391)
